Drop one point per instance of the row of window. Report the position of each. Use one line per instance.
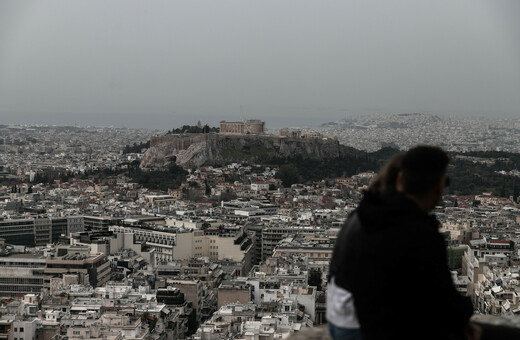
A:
(313, 255)
(19, 280)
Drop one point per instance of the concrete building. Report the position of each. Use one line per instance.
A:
(193, 292)
(99, 223)
(21, 274)
(75, 224)
(38, 231)
(258, 186)
(177, 222)
(311, 249)
(233, 292)
(226, 243)
(161, 241)
(42, 231)
(88, 268)
(25, 329)
(19, 231)
(59, 226)
(273, 234)
(485, 247)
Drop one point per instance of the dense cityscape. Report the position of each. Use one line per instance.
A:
(230, 251)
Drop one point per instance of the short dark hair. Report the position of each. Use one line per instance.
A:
(423, 166)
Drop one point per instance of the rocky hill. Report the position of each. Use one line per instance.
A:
(217, 149)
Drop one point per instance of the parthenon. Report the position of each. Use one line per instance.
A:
(243, 127)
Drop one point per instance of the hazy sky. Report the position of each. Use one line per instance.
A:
(162, 64)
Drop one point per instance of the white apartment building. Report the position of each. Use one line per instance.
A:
(218, 244)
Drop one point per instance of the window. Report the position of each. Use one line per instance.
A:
(21, 329)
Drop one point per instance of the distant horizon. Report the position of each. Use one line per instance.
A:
(167, 122)
(162, 64)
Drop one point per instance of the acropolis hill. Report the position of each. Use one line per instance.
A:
(197, 149)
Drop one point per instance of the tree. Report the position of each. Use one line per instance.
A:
(516, 190)
(288, 173)
(207, 192)
(315, 278)
(192, 322)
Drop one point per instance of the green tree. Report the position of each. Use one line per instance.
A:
(315, 278)
(288, 173)
(207, 191)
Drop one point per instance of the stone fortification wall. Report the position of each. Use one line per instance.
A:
(179, 142)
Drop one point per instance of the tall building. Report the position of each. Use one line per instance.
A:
(19, 232)
(21, 274)
(38, 231)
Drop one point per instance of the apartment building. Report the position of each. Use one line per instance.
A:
(218, 243)
(161, 241)
(90, 268)
(312, 249)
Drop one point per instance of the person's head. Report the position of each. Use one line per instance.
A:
(422, 175)
(387, 176)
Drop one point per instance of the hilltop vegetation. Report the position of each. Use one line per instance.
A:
(194, 129)
(170, 177)
(475, 172)
(474, 176)
(136, 148)
(299, 170)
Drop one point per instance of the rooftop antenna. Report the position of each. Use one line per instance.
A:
(242, 113)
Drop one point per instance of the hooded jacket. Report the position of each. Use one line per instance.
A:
(391, 257)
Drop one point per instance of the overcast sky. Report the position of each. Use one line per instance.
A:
(162, 64)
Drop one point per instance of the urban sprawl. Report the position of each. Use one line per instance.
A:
(229, 254)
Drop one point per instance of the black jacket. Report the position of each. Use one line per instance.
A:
(392, 258)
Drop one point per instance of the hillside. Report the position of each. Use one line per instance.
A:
(304, 160)
(217, 149)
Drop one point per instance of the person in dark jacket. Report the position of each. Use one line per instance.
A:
(341, 314)
(392, 259)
